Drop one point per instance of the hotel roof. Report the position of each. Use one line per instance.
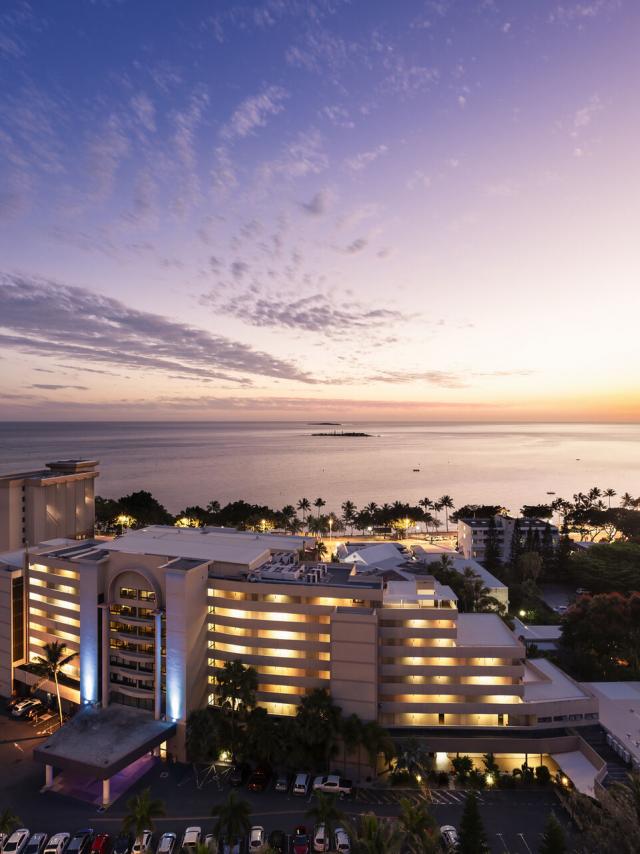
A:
(544, 681)
(486, 630)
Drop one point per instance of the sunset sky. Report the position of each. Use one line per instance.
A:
(303, 208)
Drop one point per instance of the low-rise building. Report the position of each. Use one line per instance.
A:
(496, 588)
(475, 534)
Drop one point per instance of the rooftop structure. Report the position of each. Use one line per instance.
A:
(55, 501)
(543, 637)
(498, 589)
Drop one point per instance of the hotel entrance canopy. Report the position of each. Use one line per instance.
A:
(101, 742)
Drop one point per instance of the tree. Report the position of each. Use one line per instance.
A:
(318, 726)
(413, 758)
(490, 765)
(9, 821)
(376, 740)
(51, 664)
(319, 503)
(611, 825)
(349, 511)
(537, 511)
(321, 550)
(262, 738)
(608, 494)
(233, 818)
(145, 509)
(529, 566)
(607, 567)
(351, 735)
(375, 835)
(236, 686)
(208, 734)
(142, 810)
(418, 826)
(473, 839)
(446, 503)
(304, 505)
(553, 838)
(516, 543)
(462, 765)
(325, 811)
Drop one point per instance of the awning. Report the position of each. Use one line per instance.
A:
(578, 769)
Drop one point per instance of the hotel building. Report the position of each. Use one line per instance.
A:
(153, 614)
(57, 501)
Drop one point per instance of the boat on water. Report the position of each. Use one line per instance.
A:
(416, 469)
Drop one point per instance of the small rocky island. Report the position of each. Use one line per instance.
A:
(343, 434)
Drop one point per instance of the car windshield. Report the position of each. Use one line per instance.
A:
(302, 839)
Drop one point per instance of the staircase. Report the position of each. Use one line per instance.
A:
(596, 737)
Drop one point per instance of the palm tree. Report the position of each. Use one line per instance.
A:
(490, 765)
(51, 664)
(9, 821)
(321, 550)
(349, 513)
(376, 740)
(446, 503)
(142, 809)
(325, 811)
(371, 508)
(304, 505)
(351, 735)
(237, 686)
(608, 494)
(627, 501)
(426, 503)
(418, 826)
(319, 503)
(233, 818)
(374, 835)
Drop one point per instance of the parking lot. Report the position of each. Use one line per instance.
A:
(514, 820)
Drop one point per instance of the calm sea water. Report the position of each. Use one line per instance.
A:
(278, 463)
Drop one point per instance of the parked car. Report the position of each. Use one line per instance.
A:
(300, 840)
(192, 837)
(278, 841)
(17, 842)
(342, 843)
(582, 591)
(26, 707)
(122, 844)
(57, 843)
(257, 838)
(319, 839)
(101, 844)
(232, 847)
(333, 784)
(80, 842)
(561, 609)
(36, 843)
(301, 784)
(3, 839)
(238, 774)
(282, 783)
(167, 843)
(142, 845)
(259, 780)
(211, 843)
(449, 837)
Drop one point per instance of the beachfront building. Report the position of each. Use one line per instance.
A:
(496, 588)
(56, 501)
(474, 535)
(153, 615)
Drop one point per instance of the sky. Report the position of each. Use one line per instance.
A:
(289, 209)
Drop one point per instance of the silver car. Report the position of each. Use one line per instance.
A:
(57, 843)
(17, 842)
(167, 843)
(36, 843)
(449, 836)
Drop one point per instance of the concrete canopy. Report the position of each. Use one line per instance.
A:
(101, 742)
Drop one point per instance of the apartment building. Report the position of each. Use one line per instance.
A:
(473, 535)
(57, 501)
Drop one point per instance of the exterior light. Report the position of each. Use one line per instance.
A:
(225, 756)
(565, 781)
(523, 613)
(489, 779)
(419, 778)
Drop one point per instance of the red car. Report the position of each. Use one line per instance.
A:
(300, 843)
(101, 844)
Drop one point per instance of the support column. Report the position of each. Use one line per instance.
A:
(106, 792)
(48, 776)
(157, 676)
(106, 655)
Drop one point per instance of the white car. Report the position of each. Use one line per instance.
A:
(257, 838)
(142, 845)
(342, 841)
(167, 843)
(301, 784)
(192, 837)
(17, 842)
(3, 837)
(211, 843)
(57, 843)
(319, 839)
(449, 836)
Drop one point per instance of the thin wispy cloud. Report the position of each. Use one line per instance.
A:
(254, 112)
(365, 158)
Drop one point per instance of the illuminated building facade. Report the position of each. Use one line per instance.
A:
(154, 614)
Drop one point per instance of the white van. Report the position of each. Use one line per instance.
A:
(301, 784)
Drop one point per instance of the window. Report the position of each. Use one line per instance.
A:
(127, 593)
(147, 595)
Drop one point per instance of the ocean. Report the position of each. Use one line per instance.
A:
(279, 463)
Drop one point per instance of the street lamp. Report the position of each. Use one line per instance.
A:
(330, 526)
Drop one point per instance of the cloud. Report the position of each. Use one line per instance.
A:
(584, 116)
(186, 123)
(254, 112)
(46, 318)
(500, 190)
(238, 269)
(313, 313)
(420, 180)
(303, 156)
(338, 116)
(144, 111)
(365, 158)
(55, 387)
(440, 378)
(569, 12)
(107, 149)
(357, 246)
(318, 204)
